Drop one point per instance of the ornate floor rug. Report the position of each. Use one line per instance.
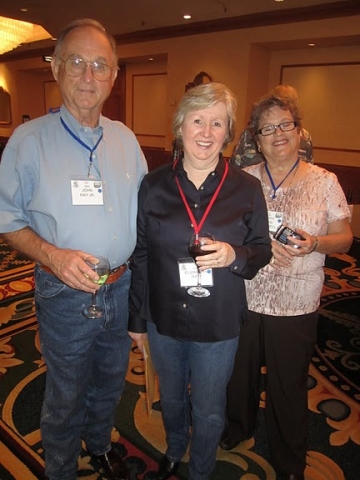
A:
(334, 391)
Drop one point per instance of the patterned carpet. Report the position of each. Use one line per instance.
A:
(334, 391)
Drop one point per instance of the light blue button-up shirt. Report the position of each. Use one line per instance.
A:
(37, 166)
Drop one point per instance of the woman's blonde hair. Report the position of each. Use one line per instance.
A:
(204, 96)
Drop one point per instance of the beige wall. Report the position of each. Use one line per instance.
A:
(248, 61)
(146, 68)
(316, 56)
(187, 56)
(25, 84)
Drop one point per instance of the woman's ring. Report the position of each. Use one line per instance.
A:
(272, 261)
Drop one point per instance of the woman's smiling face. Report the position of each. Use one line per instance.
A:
(204, 132)
(280, 145)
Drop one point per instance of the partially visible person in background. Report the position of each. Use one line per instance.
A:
(247, 152)
(68, 192)
(284, 296)
(193, 339)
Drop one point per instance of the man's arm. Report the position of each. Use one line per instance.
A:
(67, 265)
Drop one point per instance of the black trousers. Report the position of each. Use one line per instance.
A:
(285, 346)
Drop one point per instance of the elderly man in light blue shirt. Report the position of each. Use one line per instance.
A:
(39, 166)
(68, 192)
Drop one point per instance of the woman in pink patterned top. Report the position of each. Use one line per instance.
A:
(284, 296)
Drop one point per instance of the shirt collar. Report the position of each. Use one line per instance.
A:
(219, 169)
(75, 126)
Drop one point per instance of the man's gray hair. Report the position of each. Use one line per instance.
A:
(85, 22)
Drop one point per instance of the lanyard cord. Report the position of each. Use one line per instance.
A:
(91, 150)
(197, 227)
(275, 187)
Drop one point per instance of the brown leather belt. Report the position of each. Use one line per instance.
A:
(114, 275)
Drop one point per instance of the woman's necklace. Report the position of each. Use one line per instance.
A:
(275, 187)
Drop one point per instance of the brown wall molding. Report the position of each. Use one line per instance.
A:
(263, 19)
(324, 64)
(149, 135)
(331, 149)
(11, 56)
(154, 149)
(304, 65)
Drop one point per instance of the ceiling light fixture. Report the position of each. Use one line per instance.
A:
(186, 16)
(13, 33)
(311, 44)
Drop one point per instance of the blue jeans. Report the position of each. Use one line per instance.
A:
(86, 362)
(207, 368)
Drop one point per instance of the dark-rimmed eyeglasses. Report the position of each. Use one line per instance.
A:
(76, 66)
(271, 129)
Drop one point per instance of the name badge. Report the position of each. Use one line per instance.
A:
(87, 192)
(275, 220)
(189, 274)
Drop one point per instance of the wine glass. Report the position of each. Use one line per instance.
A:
(102, 268)
(195, 242)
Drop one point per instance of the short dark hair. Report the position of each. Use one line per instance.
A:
(85, 22)
(267, 103)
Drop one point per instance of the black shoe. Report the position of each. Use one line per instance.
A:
(166, 468)
(113, 466)
(229, 441)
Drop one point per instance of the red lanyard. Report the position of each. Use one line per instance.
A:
(197, 227)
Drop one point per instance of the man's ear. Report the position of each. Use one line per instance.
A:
(55, 68)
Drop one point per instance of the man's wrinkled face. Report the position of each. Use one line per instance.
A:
(84, 94)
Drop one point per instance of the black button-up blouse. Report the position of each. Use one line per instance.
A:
(238, 217)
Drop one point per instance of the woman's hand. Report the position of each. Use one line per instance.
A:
(281, 257)
(338, 239)
(283, 254)
(305, 246)
(222, 255)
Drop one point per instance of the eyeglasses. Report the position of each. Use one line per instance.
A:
(271, 129)
(76, 66)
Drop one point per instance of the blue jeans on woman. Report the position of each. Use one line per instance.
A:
(193, 377)
(86, 362)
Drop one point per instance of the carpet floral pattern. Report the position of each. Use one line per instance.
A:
(334, 391)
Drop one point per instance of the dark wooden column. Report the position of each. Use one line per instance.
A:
(115, 106)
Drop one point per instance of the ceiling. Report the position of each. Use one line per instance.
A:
(139, 20)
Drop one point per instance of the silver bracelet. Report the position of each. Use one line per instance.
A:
(316, 244)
